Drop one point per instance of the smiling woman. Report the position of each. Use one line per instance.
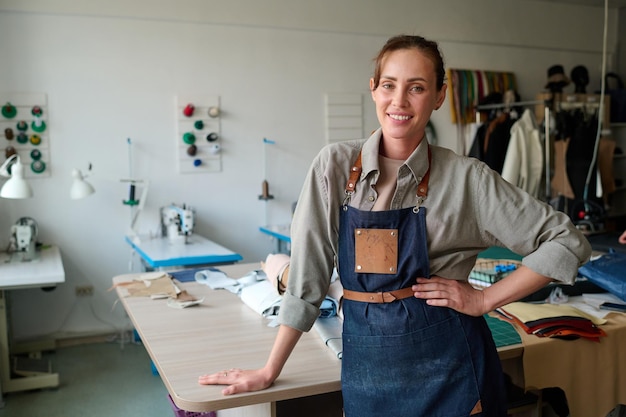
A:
(403, 221)
(407, 91)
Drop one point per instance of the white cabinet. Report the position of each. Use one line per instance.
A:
(618, 198)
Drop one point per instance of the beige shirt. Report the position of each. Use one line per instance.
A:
(469, 208)
(386, 184)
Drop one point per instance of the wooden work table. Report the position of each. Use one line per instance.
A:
(220, 334)
(224, 333)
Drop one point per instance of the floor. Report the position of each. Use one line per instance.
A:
(108, 379)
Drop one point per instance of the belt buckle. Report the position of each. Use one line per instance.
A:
(387, 297)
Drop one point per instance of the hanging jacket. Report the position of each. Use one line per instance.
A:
(523, 163)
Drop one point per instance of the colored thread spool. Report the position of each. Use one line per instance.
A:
(22, 138)
(214, 111)
(215, 149)
(36, 111)
(22, 126)
(38, 125)
(189, 138)
(9, 111)
(38, 167)
(188, 110)
(9, 151)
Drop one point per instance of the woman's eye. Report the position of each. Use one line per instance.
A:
(387, 85)
(417, 89)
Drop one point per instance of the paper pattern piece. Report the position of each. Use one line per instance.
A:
(176, 303)
(152, 287)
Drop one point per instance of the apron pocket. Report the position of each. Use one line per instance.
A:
(427, 372)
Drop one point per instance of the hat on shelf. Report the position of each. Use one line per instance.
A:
(580, 78)
(557, 78)
(489, 99)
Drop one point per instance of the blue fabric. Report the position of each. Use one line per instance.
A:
(328, 308)
(188, 275)
(607, 272)
(406, 358)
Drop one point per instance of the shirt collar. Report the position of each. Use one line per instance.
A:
(417, 161)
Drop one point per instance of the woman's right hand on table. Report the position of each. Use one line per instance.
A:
(238, 380)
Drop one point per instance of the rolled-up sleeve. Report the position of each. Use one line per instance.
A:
(557, 261)
(313, 247)
(548, 241)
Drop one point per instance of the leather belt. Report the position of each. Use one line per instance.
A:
(378, 297)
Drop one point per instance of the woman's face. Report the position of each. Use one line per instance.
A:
(406, 95)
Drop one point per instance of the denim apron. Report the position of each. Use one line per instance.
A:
(406, 358)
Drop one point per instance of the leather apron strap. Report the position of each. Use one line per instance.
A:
(355, 172)
(377, 297)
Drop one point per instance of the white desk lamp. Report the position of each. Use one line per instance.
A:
(16, 186)
(80, 187)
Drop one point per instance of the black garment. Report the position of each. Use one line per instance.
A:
(476, 151)
(581, 128)
(498, 143)
(580, 153)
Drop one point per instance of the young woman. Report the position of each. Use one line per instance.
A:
(403, 222)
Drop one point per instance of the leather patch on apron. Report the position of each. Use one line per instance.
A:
(376, 251)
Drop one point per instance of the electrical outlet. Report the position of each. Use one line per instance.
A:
(84, 291)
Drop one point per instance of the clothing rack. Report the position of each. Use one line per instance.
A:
(598, 104)
(567, 105)
(546, 133)
(512, 104)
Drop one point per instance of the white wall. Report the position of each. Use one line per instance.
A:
(111, 71)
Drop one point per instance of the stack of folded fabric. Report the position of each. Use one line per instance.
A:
(489, 271)
(607, 272)
(553, 320)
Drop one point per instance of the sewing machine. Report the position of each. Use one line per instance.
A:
(177, 222)
(24, 238)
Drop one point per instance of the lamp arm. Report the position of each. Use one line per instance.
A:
(4, 168)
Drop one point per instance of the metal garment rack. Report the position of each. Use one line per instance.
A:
(546, 131)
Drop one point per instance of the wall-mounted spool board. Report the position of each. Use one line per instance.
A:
(198, 134)
(24, 126)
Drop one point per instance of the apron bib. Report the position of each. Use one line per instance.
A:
(405, 358)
